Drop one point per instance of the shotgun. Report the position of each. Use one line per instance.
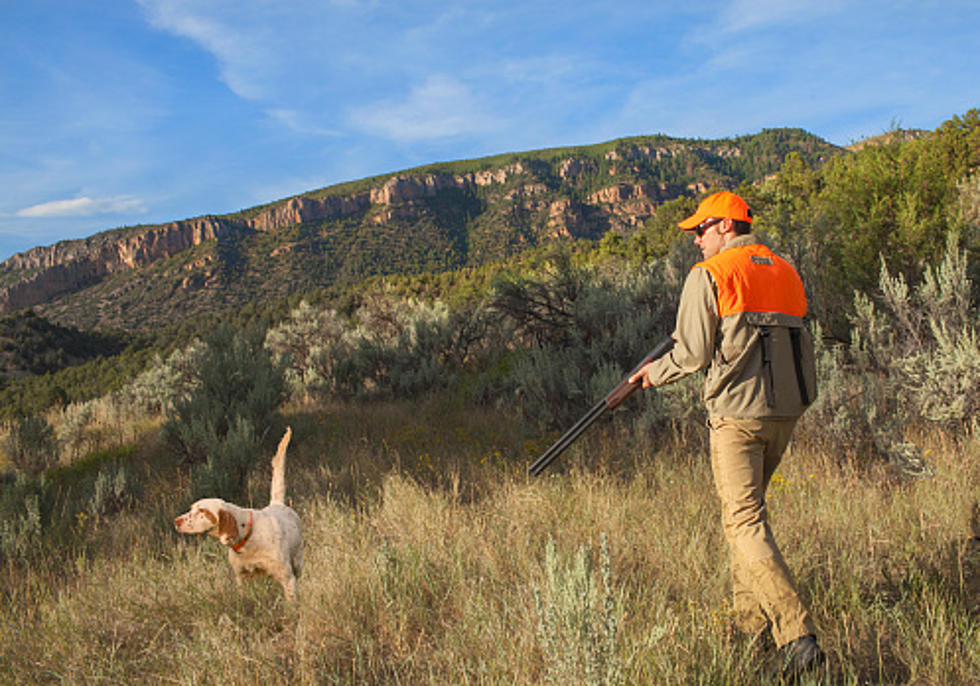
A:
(612, 400)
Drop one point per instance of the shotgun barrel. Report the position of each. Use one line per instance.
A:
(612, 400)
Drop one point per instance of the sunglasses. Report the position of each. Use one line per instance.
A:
(705, 225)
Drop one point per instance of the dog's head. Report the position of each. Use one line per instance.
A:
(209, 516)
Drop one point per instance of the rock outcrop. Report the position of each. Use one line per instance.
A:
(306, 209)
(41, 274)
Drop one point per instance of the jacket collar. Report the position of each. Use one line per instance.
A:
(741, 241)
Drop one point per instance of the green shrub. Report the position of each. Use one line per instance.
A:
(921, 344)
(404, 348)
(937, 359)
(841, 419)
(228, 462)
(25, 514)
(390, 347)
(75, 418)
(235, 379)
(306, 341)
(583, 330)
(166, 382)
(579, 618)
(31, 445)
(114, 490)
(914, 359)
(20, 520)
(218, 428)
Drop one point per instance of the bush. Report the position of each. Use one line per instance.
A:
(229, 461)
(166, 382)
(309, 342)
(75, 419)
(914, 359)
(583, 329)
(114, 490)
(922, 344)
(937, 360)
(841, 420)
(26, 511)
(391, 347)
(579, 619)
(20, 517)
(31, 445)
(238, 393)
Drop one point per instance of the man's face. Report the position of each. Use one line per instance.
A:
(709, 237)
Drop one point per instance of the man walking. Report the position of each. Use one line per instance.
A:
(741, 317)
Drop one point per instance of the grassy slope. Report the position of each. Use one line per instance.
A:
(426, 546)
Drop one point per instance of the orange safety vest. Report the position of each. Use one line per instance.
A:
(752, 278)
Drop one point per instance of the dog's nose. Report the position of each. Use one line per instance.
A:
(178, 521)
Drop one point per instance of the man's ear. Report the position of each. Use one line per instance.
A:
(227, 527)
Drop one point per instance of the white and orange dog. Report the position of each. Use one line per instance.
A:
(266, 541)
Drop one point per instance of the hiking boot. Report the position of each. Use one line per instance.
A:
(798, 657)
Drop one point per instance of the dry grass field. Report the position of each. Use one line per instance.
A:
(431, 558)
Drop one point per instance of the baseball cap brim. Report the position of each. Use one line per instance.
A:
(692, 222)
(724, 205)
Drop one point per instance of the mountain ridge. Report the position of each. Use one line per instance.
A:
(435, 217)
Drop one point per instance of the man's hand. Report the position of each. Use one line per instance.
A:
(643, 375)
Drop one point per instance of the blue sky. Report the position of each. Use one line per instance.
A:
(118, 112)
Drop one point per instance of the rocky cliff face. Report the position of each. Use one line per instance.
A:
(396, 191)
(41, 274)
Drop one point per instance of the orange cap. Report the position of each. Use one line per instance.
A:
(723, 205)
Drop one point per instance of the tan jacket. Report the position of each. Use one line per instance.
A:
(728, 327)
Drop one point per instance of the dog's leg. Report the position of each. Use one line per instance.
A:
(287, 580)
(239, 573)
(297, 562)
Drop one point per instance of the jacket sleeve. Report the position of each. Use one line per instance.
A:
(694, 333)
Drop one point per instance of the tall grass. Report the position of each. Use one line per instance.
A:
(430, 555)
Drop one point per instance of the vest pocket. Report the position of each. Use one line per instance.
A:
(807, 363)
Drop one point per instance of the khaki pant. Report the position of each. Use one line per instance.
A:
(744, 456)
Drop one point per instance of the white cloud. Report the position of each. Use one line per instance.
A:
(300, 123)
(441, 107)
(84, 207)
(754, 15)
(319, 67)
(542, 70)
(246, 57)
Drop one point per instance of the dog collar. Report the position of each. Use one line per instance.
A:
(248, 534)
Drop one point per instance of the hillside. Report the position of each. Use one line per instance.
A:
(889, 137)
(30, 344)
(433, 218)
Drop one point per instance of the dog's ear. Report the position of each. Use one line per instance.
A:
(227, 527)
(211, 516)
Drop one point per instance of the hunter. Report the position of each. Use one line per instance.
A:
(741, 316)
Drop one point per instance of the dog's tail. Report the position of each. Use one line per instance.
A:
(278, 491)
